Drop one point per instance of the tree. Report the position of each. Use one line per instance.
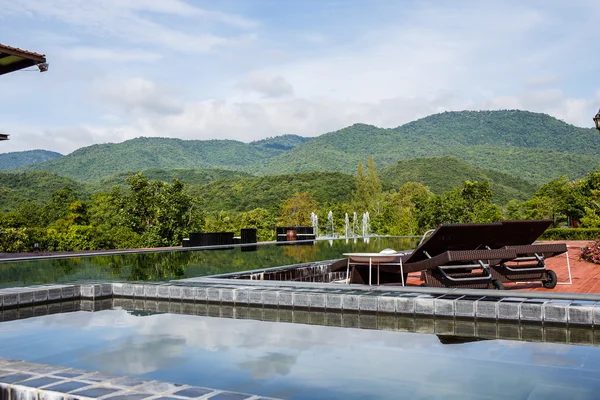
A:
(368, 188)
(296, 210)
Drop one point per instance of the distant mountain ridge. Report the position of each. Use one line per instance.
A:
(533, 146)
(19, 159)
(443, 173)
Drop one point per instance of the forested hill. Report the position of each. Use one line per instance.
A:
(99, 161)
(188, 176)
(283, 142)
(534, 146)
(443, 173)
(22, 158)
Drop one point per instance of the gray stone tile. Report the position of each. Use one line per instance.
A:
(95, 392)
(255, 297)
(405, 305)
(67, 293)
(151, 291)
(193, 392)
(200, 294)
(139, 291)
(240, 296)
(487, 308)
(386, 304)
(230, 396)
(333, 301)
(54, 294)
(117, 289)
(128, 290)
(162, 291)
(25, 298)
(175, 292)
(10, 300)
(424, 305)
(533, 310)
(67, 386)
(270, 298)
(465, 306)
(367, 303)
(227, 296)
(39, 382)
(509, 308)
(350, 302)
(285, 299)
(87, 291)
(40, 295)
(14, 378)
(187, 293)
(444, 307)
(71, 373)
(596, 314)
(106, 289)
(300, 300)
(581, 312)
(556, 311)
(317, 301)
(213, 295)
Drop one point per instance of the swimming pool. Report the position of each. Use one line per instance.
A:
(298, 361)
(178, 264)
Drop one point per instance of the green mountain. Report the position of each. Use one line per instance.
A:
(102, 160)
(443, 173)
(283, 142)
(534, 146)
(18, 188)
(19, 159)
(188, 176)
(268, 191)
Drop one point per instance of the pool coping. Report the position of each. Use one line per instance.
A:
(497, 305)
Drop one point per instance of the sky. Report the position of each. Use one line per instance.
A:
(246, 70)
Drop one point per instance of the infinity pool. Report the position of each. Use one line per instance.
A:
(296, 361)
(162, 266)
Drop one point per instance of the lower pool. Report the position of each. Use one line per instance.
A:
(296, 361)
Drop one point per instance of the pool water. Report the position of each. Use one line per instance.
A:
(178, 264)
(295, 361)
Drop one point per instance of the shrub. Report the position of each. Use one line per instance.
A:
(571, 234)
(592, 252)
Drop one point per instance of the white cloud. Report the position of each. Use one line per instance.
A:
(266, 85)
(194, 73)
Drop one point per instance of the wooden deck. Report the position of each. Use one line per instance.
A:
(585, 275)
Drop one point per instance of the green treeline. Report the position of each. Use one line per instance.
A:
(144, 212)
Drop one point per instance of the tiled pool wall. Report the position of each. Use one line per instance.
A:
(478, 305)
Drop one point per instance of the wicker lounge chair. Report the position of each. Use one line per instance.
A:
(474, 256)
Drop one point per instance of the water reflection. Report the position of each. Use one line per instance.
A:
(302, 361)
(183, 264)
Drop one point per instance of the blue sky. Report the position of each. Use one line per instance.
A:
(250, 69)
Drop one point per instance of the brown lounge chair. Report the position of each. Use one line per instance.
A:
(474, 256)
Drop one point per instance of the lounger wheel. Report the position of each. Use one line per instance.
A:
(497, 284)
(551, 280)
